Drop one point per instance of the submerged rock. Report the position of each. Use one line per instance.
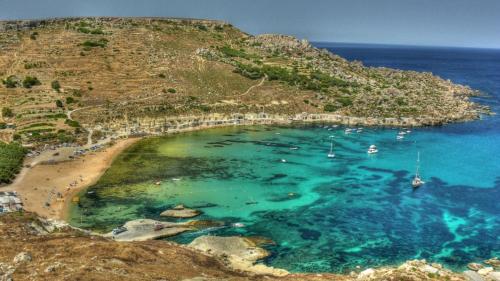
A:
(495, 262)
(180, 211)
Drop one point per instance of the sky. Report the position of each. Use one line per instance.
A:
(459, 23)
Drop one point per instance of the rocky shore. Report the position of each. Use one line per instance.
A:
(39, 249)
(168, 125)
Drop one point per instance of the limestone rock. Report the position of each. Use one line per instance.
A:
(180, 212)
(473, 276)
(22, 257)
(475, 266)
(365, 274)
(485, 271)
(494, 276)
(429, 269)
(495, 262)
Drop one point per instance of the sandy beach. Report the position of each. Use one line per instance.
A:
(57, 183)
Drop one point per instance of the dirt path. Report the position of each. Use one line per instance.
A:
(254, 86)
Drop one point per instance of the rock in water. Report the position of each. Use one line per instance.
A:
(180, 212)
(475, 266)
(495, 262)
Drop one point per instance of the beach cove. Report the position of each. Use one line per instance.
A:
(325, 215)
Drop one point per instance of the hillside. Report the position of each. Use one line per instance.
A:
(61, 73)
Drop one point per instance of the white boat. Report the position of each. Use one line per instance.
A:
(400, 137)
(372, 149)
(294, 148)
(417, 180)
(238, 225)
(283, 160)
(331, 154)
(402, 133)
(347, 131)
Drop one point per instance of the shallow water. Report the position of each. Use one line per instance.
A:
(327, 214)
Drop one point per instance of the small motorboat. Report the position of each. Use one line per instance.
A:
(294, 148)
(400, 137)
(283, 161)
(238, 225)
(372, 149)
(119, 230)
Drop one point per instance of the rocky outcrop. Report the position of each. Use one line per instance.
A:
(239, 252)
(280, 42)
(146, 229)
(180, 211)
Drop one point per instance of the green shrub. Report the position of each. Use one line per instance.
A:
(7, 112)
(11, 160)
(94, 31)
(56, 85)
(30, 81)
(103, 42)
(345, 101)
(72, 123)
(202, 27)
(10, 82)
(59, 103)
(70, 100)
(172, 90)
(330, 107)
(34, 35)
(161, 75)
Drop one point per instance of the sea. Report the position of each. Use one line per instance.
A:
(329, 214)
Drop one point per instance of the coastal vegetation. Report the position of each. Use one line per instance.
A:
(11, 160)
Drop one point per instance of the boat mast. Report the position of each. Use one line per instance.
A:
(418, 165)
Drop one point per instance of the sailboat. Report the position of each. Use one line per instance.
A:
(417, 181)
(331, 154)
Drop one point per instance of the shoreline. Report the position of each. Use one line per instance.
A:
(60, 210)
(83, 174)
(57, 183)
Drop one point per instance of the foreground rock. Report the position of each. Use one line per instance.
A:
(180, 212)
(240, 253)
(146, 229)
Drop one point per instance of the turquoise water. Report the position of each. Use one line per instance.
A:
(326, 214)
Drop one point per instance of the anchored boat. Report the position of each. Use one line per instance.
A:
(372, 149)
(331, 154)
(417, 181)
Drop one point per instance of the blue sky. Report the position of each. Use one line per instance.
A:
(464, 23)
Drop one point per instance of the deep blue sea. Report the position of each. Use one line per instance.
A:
(330, 215)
